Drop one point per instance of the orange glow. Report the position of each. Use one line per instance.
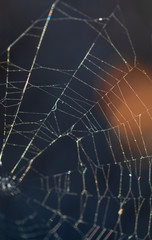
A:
(128, 107)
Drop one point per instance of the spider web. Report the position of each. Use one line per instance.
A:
(76, 143)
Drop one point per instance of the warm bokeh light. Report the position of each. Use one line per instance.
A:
(128, 108)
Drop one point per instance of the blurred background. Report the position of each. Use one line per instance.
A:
(15, 17)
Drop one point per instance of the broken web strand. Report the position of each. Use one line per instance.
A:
(32, 67)
(53, 109)
(55, 106)
(92, 128)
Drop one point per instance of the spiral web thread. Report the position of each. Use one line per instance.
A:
(106, 191)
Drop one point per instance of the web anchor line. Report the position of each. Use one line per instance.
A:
(29, 75)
